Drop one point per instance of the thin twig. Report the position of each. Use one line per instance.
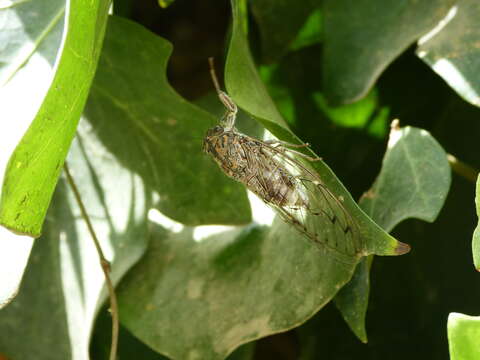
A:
(103, 262)
(462, 169)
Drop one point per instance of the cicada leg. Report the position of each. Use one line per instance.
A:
(228, 119)
(285, 146)
(305, 156)
(285, 143)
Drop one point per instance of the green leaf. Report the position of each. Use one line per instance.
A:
(352, 299)
(134, 107)
(476, 233)
(129, 347)
(363, 37)
(451, 49)
(31, 35)
(413, 183)
(280, 21)
(247, 90)
(225, 290)
(463, 335)
(243, 81)
(35, 165)
(364, 113)
(64, 274)
(165, 3)
(310, 33)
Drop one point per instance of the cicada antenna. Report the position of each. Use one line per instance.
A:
(228, 120)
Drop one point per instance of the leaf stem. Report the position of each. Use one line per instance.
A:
(462, 169)
(103, 262)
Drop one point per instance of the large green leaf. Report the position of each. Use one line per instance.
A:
(35, 165)
(363, 37)
(413, 183)
(225, 290)
(463, 336)
(451, 49)
(64, 274)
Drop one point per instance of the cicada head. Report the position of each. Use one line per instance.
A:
(209, 140)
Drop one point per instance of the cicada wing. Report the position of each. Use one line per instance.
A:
(328, 221)
(322, 218)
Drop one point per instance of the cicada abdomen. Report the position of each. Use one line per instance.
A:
(322, 217)
(270, 170)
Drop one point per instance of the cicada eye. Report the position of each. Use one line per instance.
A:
(215, 131)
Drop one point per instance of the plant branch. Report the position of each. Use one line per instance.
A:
(103, 262)
(462, 169)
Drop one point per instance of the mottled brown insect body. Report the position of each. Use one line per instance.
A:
(270, 170)
(248, 161)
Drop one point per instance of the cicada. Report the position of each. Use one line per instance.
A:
(271, 170)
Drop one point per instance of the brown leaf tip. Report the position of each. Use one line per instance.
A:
(402, 248)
